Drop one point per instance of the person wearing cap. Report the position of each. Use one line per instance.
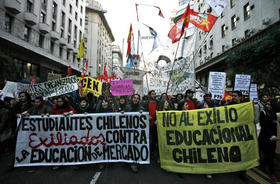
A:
(189, 99)
(207, 101)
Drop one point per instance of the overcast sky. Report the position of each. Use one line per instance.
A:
(121, 13)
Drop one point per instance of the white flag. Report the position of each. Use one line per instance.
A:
(217, 5)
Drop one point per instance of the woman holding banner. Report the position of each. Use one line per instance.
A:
(84, 106)
(63, 107)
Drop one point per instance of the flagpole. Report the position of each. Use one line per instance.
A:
(144, 63)
(172, 66)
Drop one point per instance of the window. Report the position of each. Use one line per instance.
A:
(77, 3)
(247, 33)
(60, 51)
(232, 3)
(81, 10)
(52, 47)
(223, 30)
(80, 36)
(54, 10)
(74, 58)
(53, 25)
(204, 48)
(67, 55)
(86, 30)
(62, 33)
(81, 22)
(75, 43)
(233, 41)
(62, 19)
(26, 33)
(246, 10)
(233, 22)
(211, 43)
(86, 22)
(69, 26)
(75, 32)
(223, 48)
(70, 8)
(8, 23)
(69, 38)
(63, 2)
(42, 17)
(41, 41)
(76, 16)
(199, 53)
(44, 5)
(29, 6)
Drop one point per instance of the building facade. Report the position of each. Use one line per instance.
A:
(42, 35)
(241, 22)
(99, 38)
(117, 60)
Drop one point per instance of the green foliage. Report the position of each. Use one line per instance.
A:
(260, 59)
(7, 69)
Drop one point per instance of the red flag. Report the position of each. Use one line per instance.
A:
(85, 67)
(130, 40)
(5, 81)
(227, 96)
(178, 29)
(32, 80)
(69, 70)
(105, 72)
(203, 21)
(159, 11)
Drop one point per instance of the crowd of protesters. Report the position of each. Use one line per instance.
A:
(11, 108)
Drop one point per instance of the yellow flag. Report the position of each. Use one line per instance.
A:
(81, 49)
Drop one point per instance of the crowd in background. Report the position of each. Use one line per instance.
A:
(11, 108)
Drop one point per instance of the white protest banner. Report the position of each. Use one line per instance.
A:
(242, 83)
(10, 89)
(83, 139)
(54, 88)
(253, 92)
(217, 84)
(53, 76)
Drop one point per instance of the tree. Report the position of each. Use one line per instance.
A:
(7, 69)
(260, 59)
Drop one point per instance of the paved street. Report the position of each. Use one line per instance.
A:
(120, 173)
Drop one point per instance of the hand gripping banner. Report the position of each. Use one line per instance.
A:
(83, 139)
(207, 141)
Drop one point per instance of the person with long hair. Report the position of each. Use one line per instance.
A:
(63, 107)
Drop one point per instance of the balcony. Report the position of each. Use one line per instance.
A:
(13, 6)
(54, 35)
(30, 18)
(70, 46)
(44, 28)
(63, 41)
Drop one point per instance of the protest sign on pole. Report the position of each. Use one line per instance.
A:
(217, 84)
(253, 92)
(90, 85)
(207, 141)
(242, 83)
(83, 139)
(54, 88)
(53, 76)
(122, 87)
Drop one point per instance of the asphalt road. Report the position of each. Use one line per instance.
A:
(119, 173)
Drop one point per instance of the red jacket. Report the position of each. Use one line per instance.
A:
(62, 111)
